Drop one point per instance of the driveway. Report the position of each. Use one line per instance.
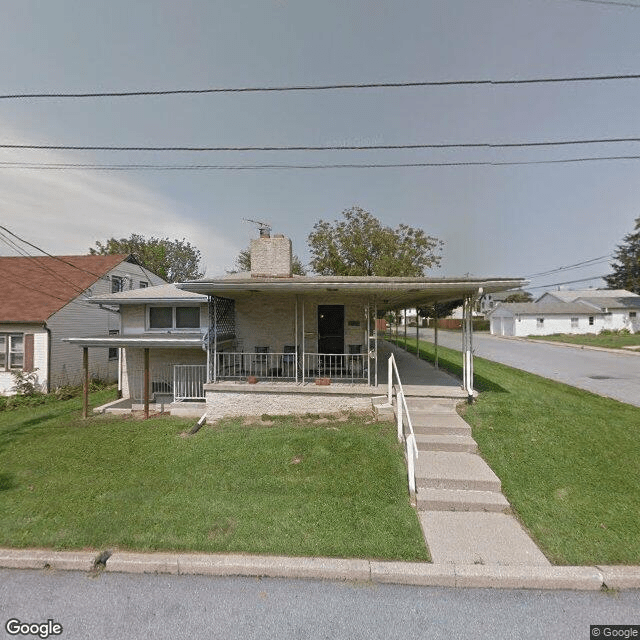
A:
(613, 375)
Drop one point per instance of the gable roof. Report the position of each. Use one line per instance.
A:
(569, 295)
(162, 293)
(609, 302)
(33, 289)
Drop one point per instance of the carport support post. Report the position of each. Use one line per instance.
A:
(85, 385)
(146, 383)
(435, 335)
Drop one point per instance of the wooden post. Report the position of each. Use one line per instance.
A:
(146, 383)
(85, 385)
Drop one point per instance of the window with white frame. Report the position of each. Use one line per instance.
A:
(113, 351)
(590, 320)
(174, 318)
(574, 323)
(539, 323)
(11, 351)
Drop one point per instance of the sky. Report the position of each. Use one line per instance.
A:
(495, 220)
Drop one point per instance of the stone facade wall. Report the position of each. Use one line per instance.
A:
(271, 257)
(226, 404)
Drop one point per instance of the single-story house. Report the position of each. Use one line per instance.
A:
(265, 341)
(581, 311)
(45, 299)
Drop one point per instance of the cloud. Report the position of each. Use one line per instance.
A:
(66, 211)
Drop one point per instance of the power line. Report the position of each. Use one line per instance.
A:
(612, 2)
(447, 145)
(577, 265)
(322, 87)
(257, 167)
(557, 284)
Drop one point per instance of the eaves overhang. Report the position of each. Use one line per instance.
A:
(389, 293)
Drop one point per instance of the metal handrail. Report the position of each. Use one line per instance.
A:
(411, 445)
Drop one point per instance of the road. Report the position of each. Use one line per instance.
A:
(132, 607)
(613, 375)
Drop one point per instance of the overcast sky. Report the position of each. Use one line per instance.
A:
(494, 220)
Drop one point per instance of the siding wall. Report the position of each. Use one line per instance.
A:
(81, 318)
(40, 355)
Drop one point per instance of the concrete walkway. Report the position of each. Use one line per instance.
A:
(464, 516)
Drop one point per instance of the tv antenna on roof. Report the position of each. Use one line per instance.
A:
(264, 227)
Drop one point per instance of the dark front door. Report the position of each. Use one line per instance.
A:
(330, 328)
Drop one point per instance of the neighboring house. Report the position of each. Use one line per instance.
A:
(541, 319)
(489, 300)
(44, 299)
(265, 341)
(579, 311)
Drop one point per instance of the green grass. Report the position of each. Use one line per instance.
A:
(294, 487)
(569, 460)
(610, 341)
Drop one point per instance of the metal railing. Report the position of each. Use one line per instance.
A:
(402, 411)
(286, 366)
(336, 366)
(188, 382)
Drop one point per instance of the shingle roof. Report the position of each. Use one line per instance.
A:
(613, 303)
(159, 293)
(33, 289)
(569, 295)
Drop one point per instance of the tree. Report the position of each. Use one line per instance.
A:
(174, 260)
(626, 269)
(359, 245)
(243, 263)
(519, 296)
(439, 309)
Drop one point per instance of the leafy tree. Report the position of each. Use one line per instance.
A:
(439, 309)
(174, 260)
(359, 245)
(243, 263)
(519, 296)
(626, 269)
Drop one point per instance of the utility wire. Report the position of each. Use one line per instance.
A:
(570, 266)
(321, 87)
(557, 284)
(256, 167)
(454, 145)
(612, 2)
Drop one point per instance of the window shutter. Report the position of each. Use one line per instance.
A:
(28, 351)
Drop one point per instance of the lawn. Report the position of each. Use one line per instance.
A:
(608, 340)
(294, 486)
(569, 460)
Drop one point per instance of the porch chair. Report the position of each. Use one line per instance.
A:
(289, 363)
(260, 364)
(354, 365)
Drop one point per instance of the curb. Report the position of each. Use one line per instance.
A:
(381, 572)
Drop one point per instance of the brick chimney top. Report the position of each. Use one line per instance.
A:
(271, 257)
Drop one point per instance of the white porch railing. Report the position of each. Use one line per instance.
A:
(188, 381)
(286, 366)
(403, 419)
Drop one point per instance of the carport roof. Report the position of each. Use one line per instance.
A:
(389, 292)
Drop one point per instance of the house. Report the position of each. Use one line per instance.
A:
(44, 299)
(583, 311)
(264, 341)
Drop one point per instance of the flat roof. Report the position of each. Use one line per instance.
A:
(389, 292)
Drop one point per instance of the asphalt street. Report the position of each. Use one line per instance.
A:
(613, 375)
(135, 606)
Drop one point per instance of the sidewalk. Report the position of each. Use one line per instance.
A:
(355, 570)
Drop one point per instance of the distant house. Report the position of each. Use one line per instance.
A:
(44, 299)
(579, 311)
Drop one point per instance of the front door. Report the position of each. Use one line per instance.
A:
(330, 328)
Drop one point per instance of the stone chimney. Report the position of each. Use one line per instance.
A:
(271, 257)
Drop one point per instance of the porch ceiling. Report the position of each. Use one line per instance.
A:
(389, 293)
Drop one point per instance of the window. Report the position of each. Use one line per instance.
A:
(590, 321)
(113, 351)
(143, 284)
(632, 314)
(117, 284)
(539, 322)
(574, 323)
(174, 317)
(11, 351)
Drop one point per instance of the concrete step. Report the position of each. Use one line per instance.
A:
(446, 442)
(461, 430)
(419, 405)
(449, 470)
(428, 419)
(460, 500)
